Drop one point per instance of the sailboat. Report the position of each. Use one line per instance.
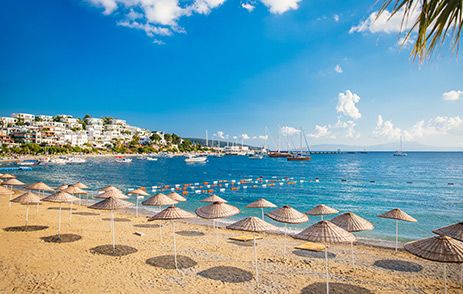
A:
(301, 156)
(400, 152)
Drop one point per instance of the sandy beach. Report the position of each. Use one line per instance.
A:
(31, 263)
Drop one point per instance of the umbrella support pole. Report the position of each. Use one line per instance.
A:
(160, 232)
(59, 221)
(27, 214)
(80, 199)
(461, 274)
(285, 243)
(321, 216)
(326, 271)
(113, 229)
(396, 235)
(445, 278)
(70, 213)
(255, 257)
(175, 245)
(263, 214)
(9, 202)
(37, 209)
(352, 254)
(136, 208)
(216, 235)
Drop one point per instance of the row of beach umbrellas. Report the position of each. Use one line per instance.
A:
(446, 247)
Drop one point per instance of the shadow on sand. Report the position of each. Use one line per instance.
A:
(85, 213)
(63, 238)
(62, 208)
(147, 226)
(190, 233)
(398, 265)
(25, 228)
(118, 219)
(313, 254)
(167, 262)
(120, 250)
(339, 288)
(227, 274)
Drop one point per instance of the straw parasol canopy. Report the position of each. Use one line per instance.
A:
(398, 214)
(111, 204)
(138, 191)
(352, 223)
(40, 186)
(177, 197)
(111, 193)
(322, 210)
(7, 176)
(62, 187)
(74, 190)
(110, 187)
(60, 197)
(27, 199)
(217, 210)
(172, 213)
(438, 248)
(159, 200)
(287, 214)
(455, 231)
(326, 232)
(214, 198)
(80, 185)
(253, 224)
(13, 182)
(261, 203)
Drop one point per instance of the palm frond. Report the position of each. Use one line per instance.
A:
(437, 21)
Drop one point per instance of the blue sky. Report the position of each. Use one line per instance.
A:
(188, 66)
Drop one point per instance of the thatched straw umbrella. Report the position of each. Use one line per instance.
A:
(322, 210)
(10, 183)
(215, 211)
(326, 232)
(5, 191)
(112, 204)
(454, 231)
(27, 199)
(110, 187)
(261, 203)
(112, 193)
(159, 200)
(438, 248)
(41, 187)
(177, 197)
(7, 176)
(254, 225)
(397, 214)
(287, 215)
(74, 190)
(138, 193)
(213, 198)
(80, 185)
(60, 197)
(352, 223)
(172, 213)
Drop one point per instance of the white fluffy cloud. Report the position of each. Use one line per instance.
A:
(289, 131)
(452, 95)
(386, 129)
(347, 105)
(338, 69)
(386, 23)
(245, 136)
(281, 6)
(322, 132)
(248, 6)
(263, 137)
(220, 135)
(336, 17)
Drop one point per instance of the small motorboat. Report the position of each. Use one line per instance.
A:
(28, 162)
(150, 158)
(124, 160)
(196, 159)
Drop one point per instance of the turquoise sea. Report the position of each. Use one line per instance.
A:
(428, 186)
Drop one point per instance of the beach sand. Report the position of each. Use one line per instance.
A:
(29, 263)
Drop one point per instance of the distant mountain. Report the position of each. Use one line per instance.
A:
(393, 146)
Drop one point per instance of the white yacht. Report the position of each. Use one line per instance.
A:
(196, 159)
